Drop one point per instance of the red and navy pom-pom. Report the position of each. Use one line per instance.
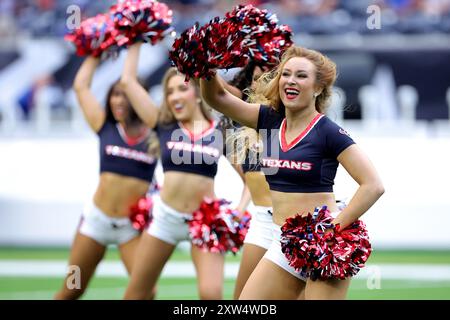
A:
(94, 36)
(239, 222)
(127, 22)
(268, 48)
(141, 213)
(318, 249)
(264, 40)
(189, 53)
(245, 33)
(216, 228)
(141, 20)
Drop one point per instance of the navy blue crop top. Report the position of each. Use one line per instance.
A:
(183, 151)
(308, 164)
(252, 161)
(127, 158)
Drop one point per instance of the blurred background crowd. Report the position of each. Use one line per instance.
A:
(43, 18)
(391, 62)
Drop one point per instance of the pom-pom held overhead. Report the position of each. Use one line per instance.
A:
(265, 40)
(215, 227)
(140, 213)
(94, 36)
(318, 249)
(245, 33)
(189, 58)
(127, 22)
(141, 20)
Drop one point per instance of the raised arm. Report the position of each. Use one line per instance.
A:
(370, 188)
(231, 89)
(223, 101)
(138, 96)
(93, 112)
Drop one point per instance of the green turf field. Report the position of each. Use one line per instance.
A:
(378, 256)
(39, 287)
(185, 288)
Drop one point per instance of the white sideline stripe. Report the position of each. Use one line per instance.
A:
(57, 268)
(181, 269)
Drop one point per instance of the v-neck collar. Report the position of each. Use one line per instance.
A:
(131, 141)
(194, 137)
(282, 133)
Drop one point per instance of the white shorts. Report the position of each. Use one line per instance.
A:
(277, 256)
(168, 224)
(260, 230)
(104, 229)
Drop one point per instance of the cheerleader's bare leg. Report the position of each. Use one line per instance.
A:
(327, 289)
(210, 284)
(271, 282)
(151, 256)
(85, 255)
(251, 255)
(128, 254)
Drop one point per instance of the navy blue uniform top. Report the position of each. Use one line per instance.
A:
(183, 151)
(120, 155)
(252, 161)
(307, 164)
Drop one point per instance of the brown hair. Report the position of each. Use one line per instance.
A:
(266, 90)
(133, 117)
(165, 115)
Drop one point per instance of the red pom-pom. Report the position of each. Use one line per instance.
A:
(214, 227)
(140, 213)
(320, 250)
(95, 36)
(189, 53)
(141, 20)
(264, 40)
(246, 32)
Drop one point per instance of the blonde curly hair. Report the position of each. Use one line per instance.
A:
(266, 88)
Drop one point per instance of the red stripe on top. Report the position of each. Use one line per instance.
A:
(195, 137)
(284, 145)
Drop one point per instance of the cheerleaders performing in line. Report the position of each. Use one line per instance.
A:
(297, 243)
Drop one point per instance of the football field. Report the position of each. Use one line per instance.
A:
(30, 273)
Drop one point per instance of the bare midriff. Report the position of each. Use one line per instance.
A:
(287, 205)
(116, 193)
(259, 189)
(185, 191)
